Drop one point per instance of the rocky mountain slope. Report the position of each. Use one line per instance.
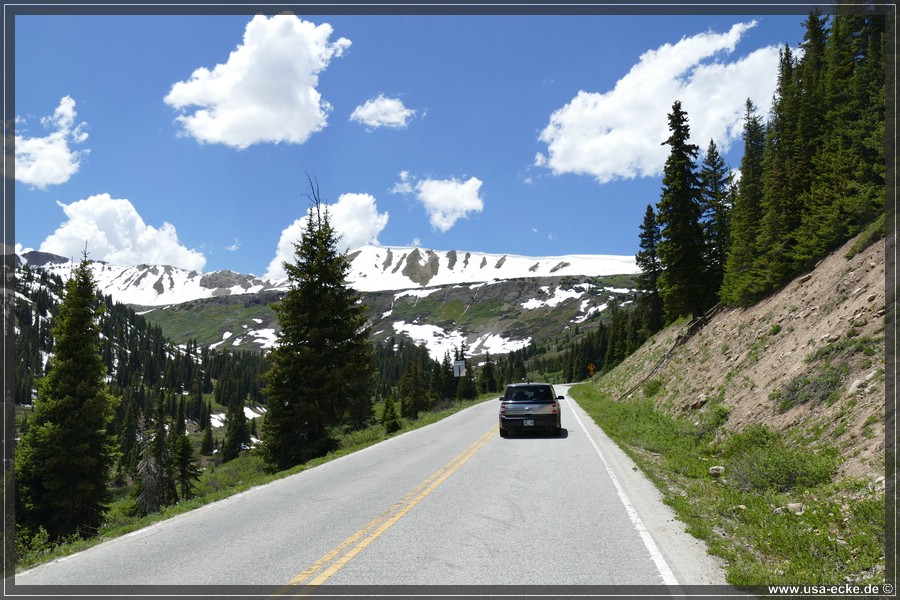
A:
(492, 303)
(372, 268)
(810, 359)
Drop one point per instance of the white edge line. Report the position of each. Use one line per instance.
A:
(665, 572)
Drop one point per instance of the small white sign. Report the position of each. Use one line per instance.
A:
(459, 368)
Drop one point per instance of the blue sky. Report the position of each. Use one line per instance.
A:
(187, 140)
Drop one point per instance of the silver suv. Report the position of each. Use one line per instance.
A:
(530, 406)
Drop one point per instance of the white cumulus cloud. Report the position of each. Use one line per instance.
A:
(618, 134)
(266, 90)
(445, 200)
(114, 232)
(355, 218)
(51, 160)
(383, 112)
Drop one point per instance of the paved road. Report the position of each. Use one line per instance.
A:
(451, 503)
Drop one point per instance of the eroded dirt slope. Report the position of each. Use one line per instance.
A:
(808, 359)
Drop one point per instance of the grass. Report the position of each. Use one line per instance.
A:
(823, 381)
(871, 234)
(743, 516)
(205, 321)
(216, 483)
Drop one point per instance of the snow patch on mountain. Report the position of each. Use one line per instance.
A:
(372, 269)
(380, 268)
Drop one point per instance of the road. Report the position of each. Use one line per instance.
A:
(448, 504)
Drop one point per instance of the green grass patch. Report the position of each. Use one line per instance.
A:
(871, 234)
(831, 534)
(823, 386)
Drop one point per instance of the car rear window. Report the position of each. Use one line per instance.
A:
(530, 393)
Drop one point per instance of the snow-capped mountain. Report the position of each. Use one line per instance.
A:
(385, 268)
(373, 269)
(491, 302)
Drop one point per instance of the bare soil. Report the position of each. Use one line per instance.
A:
(818, 342)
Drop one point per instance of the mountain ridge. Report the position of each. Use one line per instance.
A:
(372, 269)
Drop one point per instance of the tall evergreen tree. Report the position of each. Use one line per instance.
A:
(148, 496)
(738, 284)
(412, 390)
(647, 260)
(181, 451)
(63, 462)
(715, 182)
(237, 432)
(678, 213)
(390, 419)
(847, 187)
(322, 369)
(206, 445)
(488, 383)
(810, 89)
(128, 437)
(782, 181)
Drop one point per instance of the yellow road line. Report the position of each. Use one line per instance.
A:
(384, 521)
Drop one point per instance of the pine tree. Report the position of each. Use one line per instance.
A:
(148, 497)
(206, 445)
(738, 283)
(678, 213)
(128, 437)
(715, 183)
(156, 481)
(412, 391)
(488, 375)
(847, 187)
(390, 419)
(647, 260)
(63, 462)
(181, 451)
(237, 433)
(322, 369)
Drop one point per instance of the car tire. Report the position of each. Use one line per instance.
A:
(504, 433)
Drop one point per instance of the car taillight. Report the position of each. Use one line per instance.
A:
(554, 408)
(502, 409)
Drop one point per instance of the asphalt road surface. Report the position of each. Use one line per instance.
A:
(448, 504)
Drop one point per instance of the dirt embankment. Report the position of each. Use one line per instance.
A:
(809, 359)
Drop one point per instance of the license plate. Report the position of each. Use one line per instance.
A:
(528, 423)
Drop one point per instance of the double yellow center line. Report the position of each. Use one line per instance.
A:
(324, 568)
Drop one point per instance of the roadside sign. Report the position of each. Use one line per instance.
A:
(459, 368)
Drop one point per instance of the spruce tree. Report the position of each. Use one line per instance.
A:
(181, 451)
(847, 180)
(390, 419)
(156, 471)
(715, 184)
(206, 445)
(128, 438)
(237, 432)
(412, 390)
(782, 181)
(148, 496)
(678, 213)
(647, 260)
(322, 368)
(63, 462)
(488, 383)
(739, 283)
